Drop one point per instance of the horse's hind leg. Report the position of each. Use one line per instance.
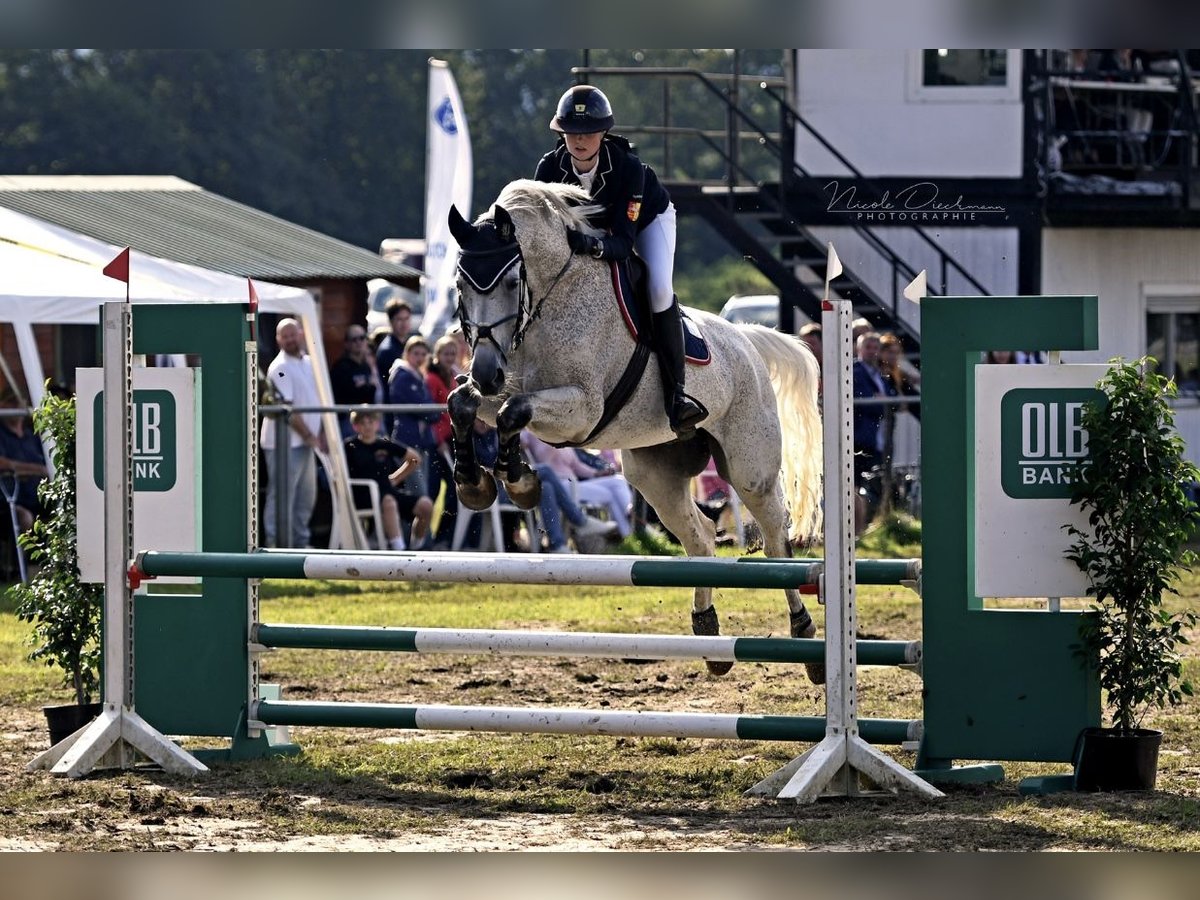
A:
(663, 479)
(768, 510)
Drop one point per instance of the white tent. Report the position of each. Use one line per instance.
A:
(52, 275)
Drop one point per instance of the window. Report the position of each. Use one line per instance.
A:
(1173, 338)
(964, 76)
(977, 68)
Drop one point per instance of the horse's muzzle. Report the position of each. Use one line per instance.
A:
(486, 371)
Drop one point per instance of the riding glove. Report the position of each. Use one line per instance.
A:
(584, 243)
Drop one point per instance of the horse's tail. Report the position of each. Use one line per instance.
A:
(794, 376)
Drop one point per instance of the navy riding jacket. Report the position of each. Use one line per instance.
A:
(628, 189)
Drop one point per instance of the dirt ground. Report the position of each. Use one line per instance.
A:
(336, 802)
(123, 811)
(148, 810)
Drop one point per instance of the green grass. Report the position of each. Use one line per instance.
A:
(22, 682)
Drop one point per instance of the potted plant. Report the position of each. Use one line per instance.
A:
(65, 612)
(1140, 518)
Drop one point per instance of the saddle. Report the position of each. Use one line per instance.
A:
(631, 286)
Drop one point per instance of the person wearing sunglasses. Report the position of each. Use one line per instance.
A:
(354, 378)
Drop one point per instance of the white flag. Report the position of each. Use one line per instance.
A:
(833, 268)
(916, 288)
(449, 173)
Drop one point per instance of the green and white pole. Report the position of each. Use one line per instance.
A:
(552, 720)
(528, 568)
(581, 644)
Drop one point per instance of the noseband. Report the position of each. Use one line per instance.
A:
(484, 269)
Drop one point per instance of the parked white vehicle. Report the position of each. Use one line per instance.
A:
(380, 293)
(761, 309)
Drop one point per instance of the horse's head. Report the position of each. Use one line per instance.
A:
(501, 291)
(490, 287)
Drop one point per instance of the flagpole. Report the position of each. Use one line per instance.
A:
(448, 180)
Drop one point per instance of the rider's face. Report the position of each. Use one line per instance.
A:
(583, 147)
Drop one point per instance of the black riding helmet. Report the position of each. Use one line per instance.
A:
(582, 110)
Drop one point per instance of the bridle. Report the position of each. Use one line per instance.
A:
(485, 269)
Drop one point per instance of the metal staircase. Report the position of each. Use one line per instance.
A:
(770, 222)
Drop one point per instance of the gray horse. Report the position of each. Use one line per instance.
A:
(549, 346)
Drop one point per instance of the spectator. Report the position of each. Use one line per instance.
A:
(869, 431)
(439, 379)
(388, 464)
(1000, 357)
(377, 337)
(904, 382)
(601, 487)
(22, 466)
(1120, 65)
(391, 348)
(859, 327)
(556, 502)
(354, 378)
(811, 335)
(291, 378)
(406, 384)
(464, 350)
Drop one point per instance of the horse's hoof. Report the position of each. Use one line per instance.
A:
(526, 492)
(705, 623)
(804, 627)
(478, 496)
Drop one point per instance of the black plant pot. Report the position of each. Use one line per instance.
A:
(64, 721)
(1111, 760)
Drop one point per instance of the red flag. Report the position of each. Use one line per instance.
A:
(253, 315)
(119, 267)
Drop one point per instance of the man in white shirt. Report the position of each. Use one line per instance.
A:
(291, 377)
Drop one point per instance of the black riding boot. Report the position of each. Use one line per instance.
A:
(683, 412)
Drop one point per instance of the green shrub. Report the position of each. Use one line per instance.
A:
(64, 611)
(1133, 490)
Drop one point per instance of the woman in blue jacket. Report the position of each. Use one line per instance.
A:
(406, 384)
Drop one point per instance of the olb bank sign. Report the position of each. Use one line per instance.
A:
(1042, 440)
(165, 463)
(1029, 445)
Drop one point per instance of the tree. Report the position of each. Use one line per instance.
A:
(335, 139)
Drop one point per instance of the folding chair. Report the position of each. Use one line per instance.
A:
(496, 529)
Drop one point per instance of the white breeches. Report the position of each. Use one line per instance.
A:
(656, 245)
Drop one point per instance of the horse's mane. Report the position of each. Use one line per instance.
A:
(569, 203)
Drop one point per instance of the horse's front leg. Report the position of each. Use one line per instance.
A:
(476, 488)
(558, 415)
(523, 486)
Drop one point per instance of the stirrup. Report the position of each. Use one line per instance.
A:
(685, 413)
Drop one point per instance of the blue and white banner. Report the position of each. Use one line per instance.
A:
(449, 173)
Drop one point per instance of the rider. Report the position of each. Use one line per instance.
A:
(638, 213)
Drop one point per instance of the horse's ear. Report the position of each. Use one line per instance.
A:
(504, 225)
(460, 227)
